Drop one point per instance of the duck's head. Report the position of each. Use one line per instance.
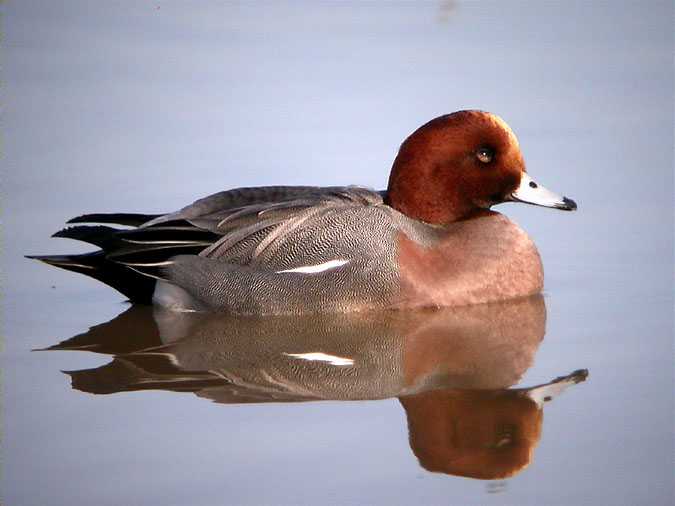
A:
(459, 164)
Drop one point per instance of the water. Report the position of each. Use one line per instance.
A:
(146, 107)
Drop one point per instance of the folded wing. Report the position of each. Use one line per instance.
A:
(278, 228)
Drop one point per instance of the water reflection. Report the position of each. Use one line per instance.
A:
(450, 369)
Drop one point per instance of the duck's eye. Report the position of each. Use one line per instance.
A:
(485, 154)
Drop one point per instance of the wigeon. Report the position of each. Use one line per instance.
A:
(429, 240)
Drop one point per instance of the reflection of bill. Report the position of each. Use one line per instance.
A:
(486, 434)
(450, 369)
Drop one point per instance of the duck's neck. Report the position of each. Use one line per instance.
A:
(417, 191)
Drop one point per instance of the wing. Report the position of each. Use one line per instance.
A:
(330, 249)
(230, 209)
(252, 224)
(244, 226)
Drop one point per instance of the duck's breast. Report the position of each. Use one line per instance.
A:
(483, 259)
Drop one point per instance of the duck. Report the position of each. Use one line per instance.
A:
(430, 240)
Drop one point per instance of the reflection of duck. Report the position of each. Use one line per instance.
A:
(430, 239)
(341, 356)
(449, 368)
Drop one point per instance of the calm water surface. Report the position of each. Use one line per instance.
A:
(146, 107)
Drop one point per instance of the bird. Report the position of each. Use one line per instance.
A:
(431, 239)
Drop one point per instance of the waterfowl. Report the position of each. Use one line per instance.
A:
(429, 240)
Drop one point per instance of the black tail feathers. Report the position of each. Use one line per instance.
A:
(127, 219)
(133, 285)
(129, 260)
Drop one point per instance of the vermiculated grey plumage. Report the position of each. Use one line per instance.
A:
(226, 251)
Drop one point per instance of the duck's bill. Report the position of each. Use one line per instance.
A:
(531, 192)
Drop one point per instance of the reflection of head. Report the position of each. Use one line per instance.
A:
(472, 433)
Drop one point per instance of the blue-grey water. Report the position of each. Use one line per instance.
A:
(146, 106)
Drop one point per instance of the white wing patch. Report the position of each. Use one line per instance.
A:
(314, 269)
(317, 356)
